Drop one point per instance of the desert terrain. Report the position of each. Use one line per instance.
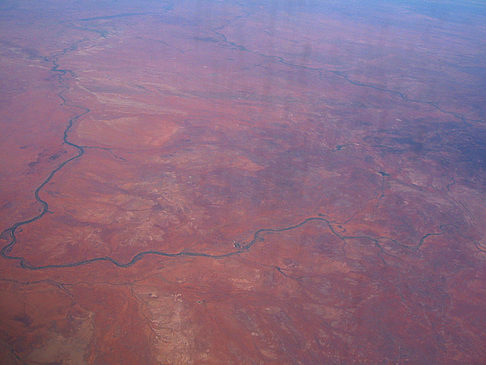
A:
(214, 182)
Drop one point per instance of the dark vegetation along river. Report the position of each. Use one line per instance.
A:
(258, 182)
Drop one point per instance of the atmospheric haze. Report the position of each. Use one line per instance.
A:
(254, 182)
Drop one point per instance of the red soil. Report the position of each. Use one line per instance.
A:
(203, 123)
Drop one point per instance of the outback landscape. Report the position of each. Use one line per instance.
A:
(222, 182)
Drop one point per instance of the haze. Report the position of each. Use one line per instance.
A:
(258, 182)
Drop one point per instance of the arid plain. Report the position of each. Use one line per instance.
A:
(242, 183)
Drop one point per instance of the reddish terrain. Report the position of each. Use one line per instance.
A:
(211, 182)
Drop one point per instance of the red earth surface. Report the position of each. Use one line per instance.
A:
(242, 183)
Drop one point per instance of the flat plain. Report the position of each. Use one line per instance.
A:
(224, 183)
